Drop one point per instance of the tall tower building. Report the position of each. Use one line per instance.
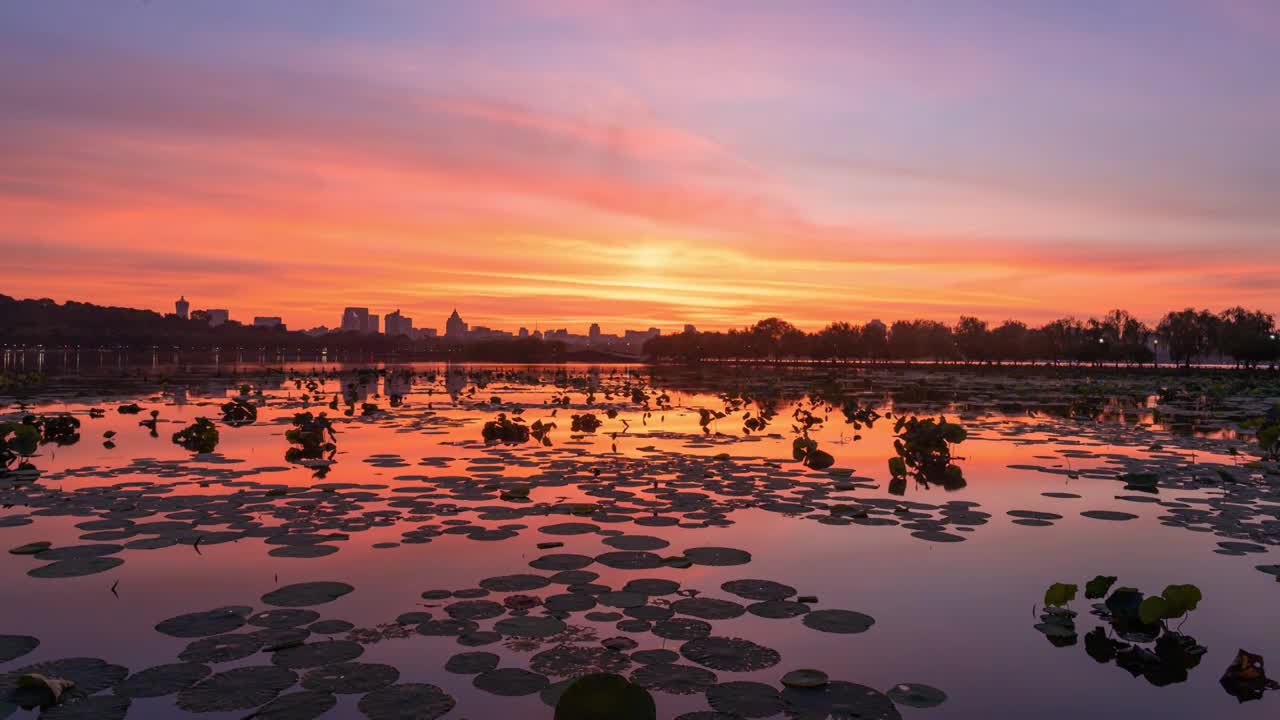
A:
(355, 319)
(454, 327)
(182, 307)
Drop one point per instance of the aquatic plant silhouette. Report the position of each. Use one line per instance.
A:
(923, 450)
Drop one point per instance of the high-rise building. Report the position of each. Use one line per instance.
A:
(355, 319)
(268, 321)
(524, 332)
(593, 332)
(397, 324)
(454, 327)
(182, 307)
(218, 317)
(371, 325)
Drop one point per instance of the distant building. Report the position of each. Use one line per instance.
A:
(454, 327)
(318, 331)
(218, 317)
(182, 307)
(690, 328)
(355, 319)
(537, 335)
(424, 333)
(524, 332)
(593, 332)
(397, 324)
(371, 327)
(268, 321)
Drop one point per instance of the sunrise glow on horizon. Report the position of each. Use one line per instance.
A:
(558, 163)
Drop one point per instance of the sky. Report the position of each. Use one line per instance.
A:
(552, 163)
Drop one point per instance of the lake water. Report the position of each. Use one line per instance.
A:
(943, 586)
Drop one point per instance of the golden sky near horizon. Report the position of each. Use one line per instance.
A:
(554, 163)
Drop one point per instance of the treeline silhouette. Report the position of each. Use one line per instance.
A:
(45, 322)
(1245, 337)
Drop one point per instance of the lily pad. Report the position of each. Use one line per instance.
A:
(242, 688)
(209, 622)
(762, 590)
(325, 652)
(717, 556)
(162, 680)
(410, 701)
(307, 594)
(471, 663)
(575, 660)
(805, 678)
(529, 626)
(745, 699)
(916, 695)
(511, 682)
(838, 621)
(301, 705)
(220, 648)
(729, 654)
(350, 677)
(13, 647)
(75, 568)
(673, 678)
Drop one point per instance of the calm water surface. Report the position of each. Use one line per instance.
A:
(953, 584)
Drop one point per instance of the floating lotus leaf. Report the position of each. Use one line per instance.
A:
(629, 560)
(307, 594)
(575, 660)
(529, 626)
(1109, 515)
(471, 663)
(778, 609)
(651, 657)
(745, 699)
(444, 628)
(283, 618)
(13, 647)
(561, 561)
(239, 689)
(302, 705)
(475, 610)
(350, 677)
(729, 654)
(805, 678)
(682, 629)
(719, 556)
(708, 608)
(839, 699)
(325, 652)
(75, 568)
(511, 682)
(916, 695)
(673, 678)
(202, 624)
(220, 648)
(410, 701)
(100, 707)
(513, 583)
(636, 542)
(336, 627)
(838, 621)
(162, 680)
(763, 590)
